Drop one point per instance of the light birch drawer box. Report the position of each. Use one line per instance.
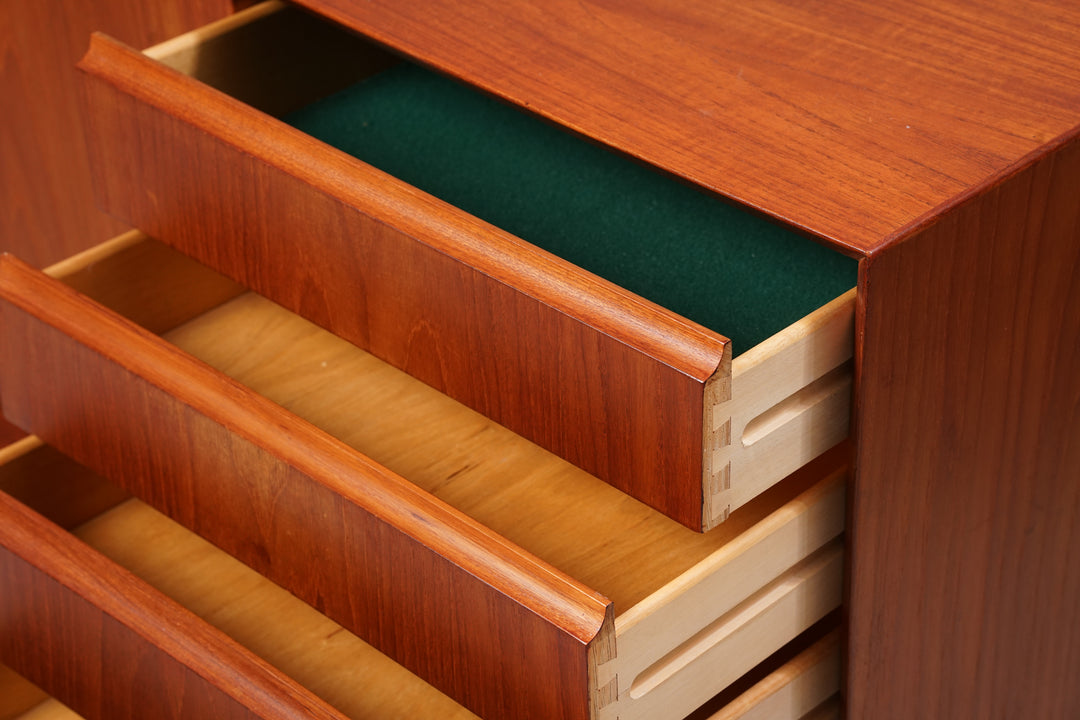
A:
(630, 389)
(519, 585)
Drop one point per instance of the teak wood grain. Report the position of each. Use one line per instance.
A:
(965, 515)
(669, 584)
(848, 119)
(286, 632)
(110, 647)
(324, 657)
(599, 376)
(666, 583)
(47, 208)
(129, 274)
(421, 582)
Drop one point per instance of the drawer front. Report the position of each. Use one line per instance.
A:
(143, 549)
(631, 392)
(422, 582)
(695, 612)
(109, 646)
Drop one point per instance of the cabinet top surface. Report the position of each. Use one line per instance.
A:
(848, 118)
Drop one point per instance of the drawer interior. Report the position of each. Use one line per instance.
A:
(18, 695)
(679, 595)
(547, 506)
(322, 656)
(290, 635)
(49, 709)
(631, 391)
(714, 263)
(693, 253)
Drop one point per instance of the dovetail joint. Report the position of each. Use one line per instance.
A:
(607, 694)
(715, 509)
(604, 649)
(721, 479)
(603, 672)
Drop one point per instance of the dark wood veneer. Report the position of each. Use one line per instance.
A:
(492, 626)
(937, 142)
(47, 208)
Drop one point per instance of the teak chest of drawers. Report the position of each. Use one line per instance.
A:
(948, 167)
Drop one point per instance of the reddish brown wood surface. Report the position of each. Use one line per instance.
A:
(600, 377)
(9, 433)
(111, 647)
(965, 517)
(47, 209)
(479, 618)
(42, 480)
(849, 119)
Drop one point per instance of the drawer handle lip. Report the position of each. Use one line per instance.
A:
(474, 549)
(655, 331)
(666, 359)
(151, 617)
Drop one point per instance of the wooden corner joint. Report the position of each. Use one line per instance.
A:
(603, 675)
(715, 460)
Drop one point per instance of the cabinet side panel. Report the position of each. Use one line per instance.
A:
(965, 511)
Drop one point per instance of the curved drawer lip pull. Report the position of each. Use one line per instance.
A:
(657, 614)
(57, 579)
(617, 385)
(290, 485)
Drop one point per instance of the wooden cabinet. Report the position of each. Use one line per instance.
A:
(938, 148)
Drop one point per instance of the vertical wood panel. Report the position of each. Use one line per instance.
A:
(965, 513)
(47, 208)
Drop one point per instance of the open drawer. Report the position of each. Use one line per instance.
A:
(125, 561)
(126, 558)
(175, 600)
(104, 641)
(517, 583)
(186, 146)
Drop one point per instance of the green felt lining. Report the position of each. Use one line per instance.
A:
(729, 270)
